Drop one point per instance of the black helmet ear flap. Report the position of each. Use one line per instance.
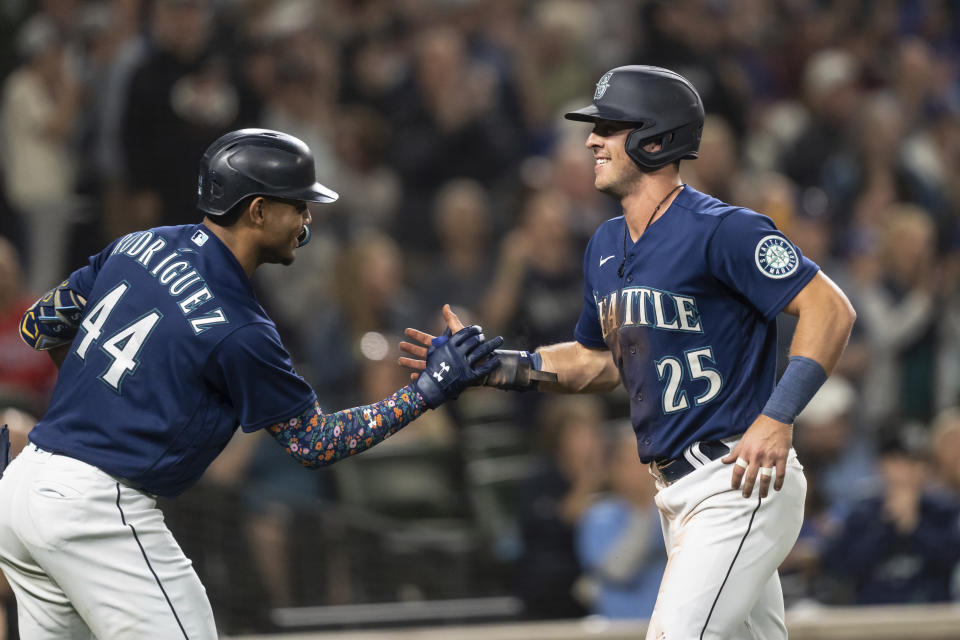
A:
(679, 144)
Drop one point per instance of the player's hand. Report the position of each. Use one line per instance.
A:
(423, 340)
(54, 319)
(454, 362)
(765, 445)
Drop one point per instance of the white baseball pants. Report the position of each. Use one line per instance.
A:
(723, 551)
(90, 557)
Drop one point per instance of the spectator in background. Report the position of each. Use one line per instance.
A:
(831, 92)
(899, 311)
(302, 100)
(461, 219)
(570, 475)
(945, 437)
(863, 181)
(180, 99)
(370, 188)
(63, 14)
(717, 167)
(682, 35)
(129, 46)
(38, 114)
(913, 79)
(902, 545)
(445, 125)
(26, 376)
(368, 299)
(560, 48)
(619, 539)
(536, 294)
(377, 66)
(838, 457)
(840, 466)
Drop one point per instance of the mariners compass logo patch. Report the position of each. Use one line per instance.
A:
(776, 257)
(602, 86)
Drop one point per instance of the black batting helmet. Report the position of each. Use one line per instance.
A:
(257, 162)
(662, 104)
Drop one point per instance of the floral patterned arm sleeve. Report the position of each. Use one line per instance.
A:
(317, 439)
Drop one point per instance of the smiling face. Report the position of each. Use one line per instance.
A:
(614, 171)
(283, 223)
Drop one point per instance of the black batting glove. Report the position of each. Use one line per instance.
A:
(518, 371)
(455, 363)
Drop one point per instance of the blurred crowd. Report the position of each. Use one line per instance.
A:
(439, 123)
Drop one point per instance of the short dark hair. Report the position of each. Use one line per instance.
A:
(230, 218)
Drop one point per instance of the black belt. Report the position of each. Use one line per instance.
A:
(672, 469)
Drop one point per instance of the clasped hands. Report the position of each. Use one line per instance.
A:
(459, 358)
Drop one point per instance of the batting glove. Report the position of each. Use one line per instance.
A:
(518, 371)
(54, 319)
(455, 363)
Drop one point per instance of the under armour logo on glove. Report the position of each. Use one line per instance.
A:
(454, 362)
(443, 368)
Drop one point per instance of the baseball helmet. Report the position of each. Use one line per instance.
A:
(662, 104)
(257, 162)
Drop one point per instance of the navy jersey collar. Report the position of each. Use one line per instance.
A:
(230, 260)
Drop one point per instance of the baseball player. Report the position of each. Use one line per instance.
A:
(165, 351)
(680, 297)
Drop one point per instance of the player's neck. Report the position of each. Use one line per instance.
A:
(242, 251)
(647, 203)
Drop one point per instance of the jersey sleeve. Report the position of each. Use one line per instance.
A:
(751, 256)
(81, 281)
(253, 369)
(588, 331)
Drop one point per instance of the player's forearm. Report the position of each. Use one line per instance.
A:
(579, 369)
(317, 439)
(825, 320)
(822, 333)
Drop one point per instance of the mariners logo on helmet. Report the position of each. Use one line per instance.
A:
(602, 85)
(776, 257)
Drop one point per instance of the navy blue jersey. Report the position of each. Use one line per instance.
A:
(173, 353)
(690, 323)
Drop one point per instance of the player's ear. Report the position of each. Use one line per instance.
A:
(255, 211)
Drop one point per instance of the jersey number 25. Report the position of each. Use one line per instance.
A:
(671, 368)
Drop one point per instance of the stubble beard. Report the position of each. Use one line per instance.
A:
(622, 185)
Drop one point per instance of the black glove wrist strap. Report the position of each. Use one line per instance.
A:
(517, 372)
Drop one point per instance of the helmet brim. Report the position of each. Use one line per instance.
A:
(314, 193)
(592, 113)
(587, 114)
